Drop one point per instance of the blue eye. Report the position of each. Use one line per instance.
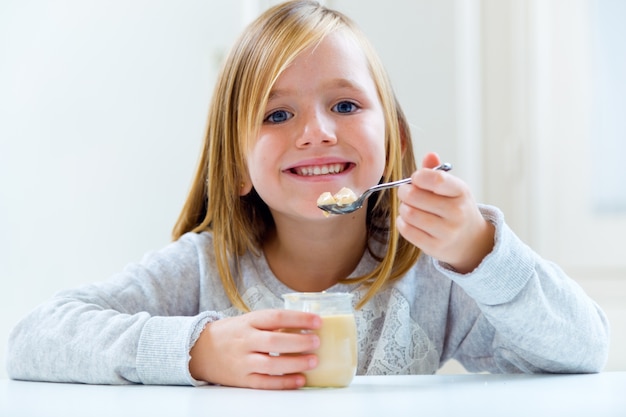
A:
(279, 116)
(345, 107)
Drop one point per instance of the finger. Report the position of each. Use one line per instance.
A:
(436, 181)
(423, 229)
(276, 382)
(427, 221)
(418, 236)
(283, 319)
(423, 200)
(263, 363)
(284, 341)
(429, 244)
(431, 160)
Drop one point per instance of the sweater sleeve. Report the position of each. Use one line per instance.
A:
(137, 327)
(532, 316)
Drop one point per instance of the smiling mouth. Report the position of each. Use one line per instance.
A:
(315, 170)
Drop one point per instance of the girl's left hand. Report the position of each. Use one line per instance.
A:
(439, 215)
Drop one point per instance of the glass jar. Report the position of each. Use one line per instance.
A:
(337, 354)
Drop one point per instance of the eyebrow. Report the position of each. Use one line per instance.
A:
(342, 83)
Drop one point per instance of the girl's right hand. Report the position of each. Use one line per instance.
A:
(235, 351)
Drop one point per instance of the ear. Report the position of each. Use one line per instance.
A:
(245, 187)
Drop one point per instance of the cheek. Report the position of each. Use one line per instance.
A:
(255, 165)
(257, 153)
(261, 160)
(254, 161)
(376, 137)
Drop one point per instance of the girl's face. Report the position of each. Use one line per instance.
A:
(323, 129)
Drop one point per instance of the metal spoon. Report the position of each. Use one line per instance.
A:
(358, 203)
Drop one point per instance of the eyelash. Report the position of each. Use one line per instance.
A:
(268, 118)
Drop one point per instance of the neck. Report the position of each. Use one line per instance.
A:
(311, 257)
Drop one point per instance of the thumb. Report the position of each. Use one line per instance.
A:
(431, 160)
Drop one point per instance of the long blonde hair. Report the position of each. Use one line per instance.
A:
(257, 59)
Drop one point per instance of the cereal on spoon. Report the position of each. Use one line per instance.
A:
(343, 197)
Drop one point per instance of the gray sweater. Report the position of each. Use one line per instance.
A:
(515, 313)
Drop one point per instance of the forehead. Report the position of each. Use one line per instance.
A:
(337, 55)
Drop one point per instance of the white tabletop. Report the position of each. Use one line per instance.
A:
(382, 396)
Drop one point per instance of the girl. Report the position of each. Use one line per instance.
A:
(303, 106)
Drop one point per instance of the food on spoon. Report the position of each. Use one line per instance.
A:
(343, 197)
(325, 199)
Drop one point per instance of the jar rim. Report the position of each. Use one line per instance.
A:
(316, 295)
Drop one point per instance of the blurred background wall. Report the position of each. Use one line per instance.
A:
(103, 106)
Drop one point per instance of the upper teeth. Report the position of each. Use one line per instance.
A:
(320, 169)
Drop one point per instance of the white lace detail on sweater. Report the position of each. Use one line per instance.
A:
(390, 341)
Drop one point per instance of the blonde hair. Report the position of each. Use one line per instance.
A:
(239, 224)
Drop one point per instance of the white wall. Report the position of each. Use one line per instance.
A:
(541, 66)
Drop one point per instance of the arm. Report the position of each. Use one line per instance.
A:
(146, 325)
(532, 317)
(137, 327)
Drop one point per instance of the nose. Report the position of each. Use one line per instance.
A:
(317, 129)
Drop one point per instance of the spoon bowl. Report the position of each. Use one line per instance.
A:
(358, 203)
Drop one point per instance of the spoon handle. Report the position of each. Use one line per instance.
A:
(443, 167)
(389, 185)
